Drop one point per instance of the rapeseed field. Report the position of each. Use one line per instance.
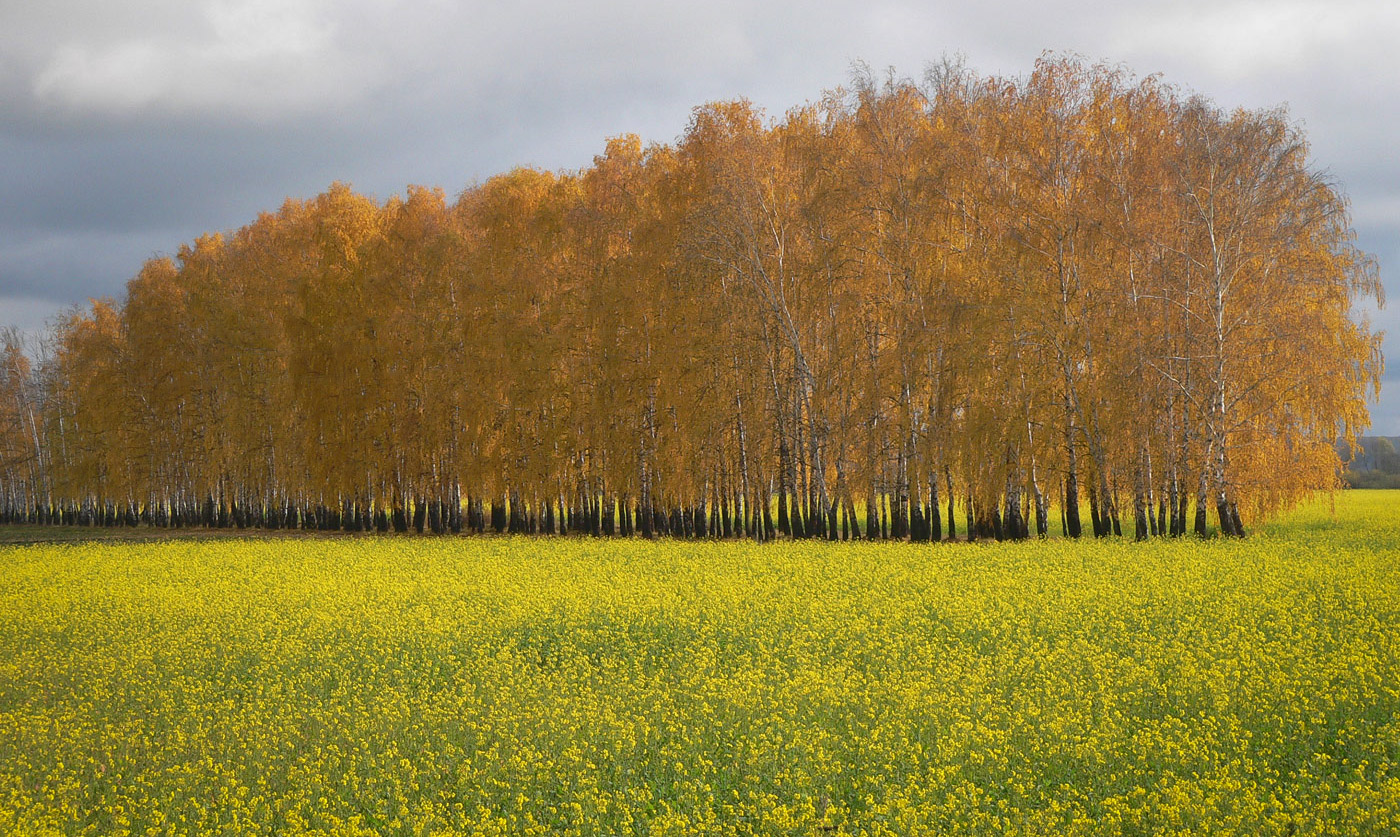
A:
(508, 686)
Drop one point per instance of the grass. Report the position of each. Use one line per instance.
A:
(571, 686)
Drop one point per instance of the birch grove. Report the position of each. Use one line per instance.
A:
(967, 307)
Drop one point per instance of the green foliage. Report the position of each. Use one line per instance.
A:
(1372, 479)
(523, 686)
(1374, 463)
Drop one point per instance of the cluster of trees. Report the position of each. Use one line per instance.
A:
(1375, 463)
(997, 297)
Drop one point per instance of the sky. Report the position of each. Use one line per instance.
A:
(130, 127)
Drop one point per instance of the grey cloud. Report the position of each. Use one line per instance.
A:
(28, 314)
(65, 268)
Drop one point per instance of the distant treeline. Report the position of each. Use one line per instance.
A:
(1374, 463)
(991, 296)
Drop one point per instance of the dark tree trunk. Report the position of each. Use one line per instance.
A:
(1229, 515)
(1013, 524)
(1042, 513)
(1073, 528)
(899, 514)
(784, 525)
(1094, 514)
(1142, 527)
(420, 514)
(435, 524)
(935, 523)
(952, 517)
(1180, 507)
(872, 518)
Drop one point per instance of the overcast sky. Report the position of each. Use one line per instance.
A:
(128, 127)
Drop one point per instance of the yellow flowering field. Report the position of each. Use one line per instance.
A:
(508, 686)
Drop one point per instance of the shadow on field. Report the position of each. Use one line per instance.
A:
(23, 534)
